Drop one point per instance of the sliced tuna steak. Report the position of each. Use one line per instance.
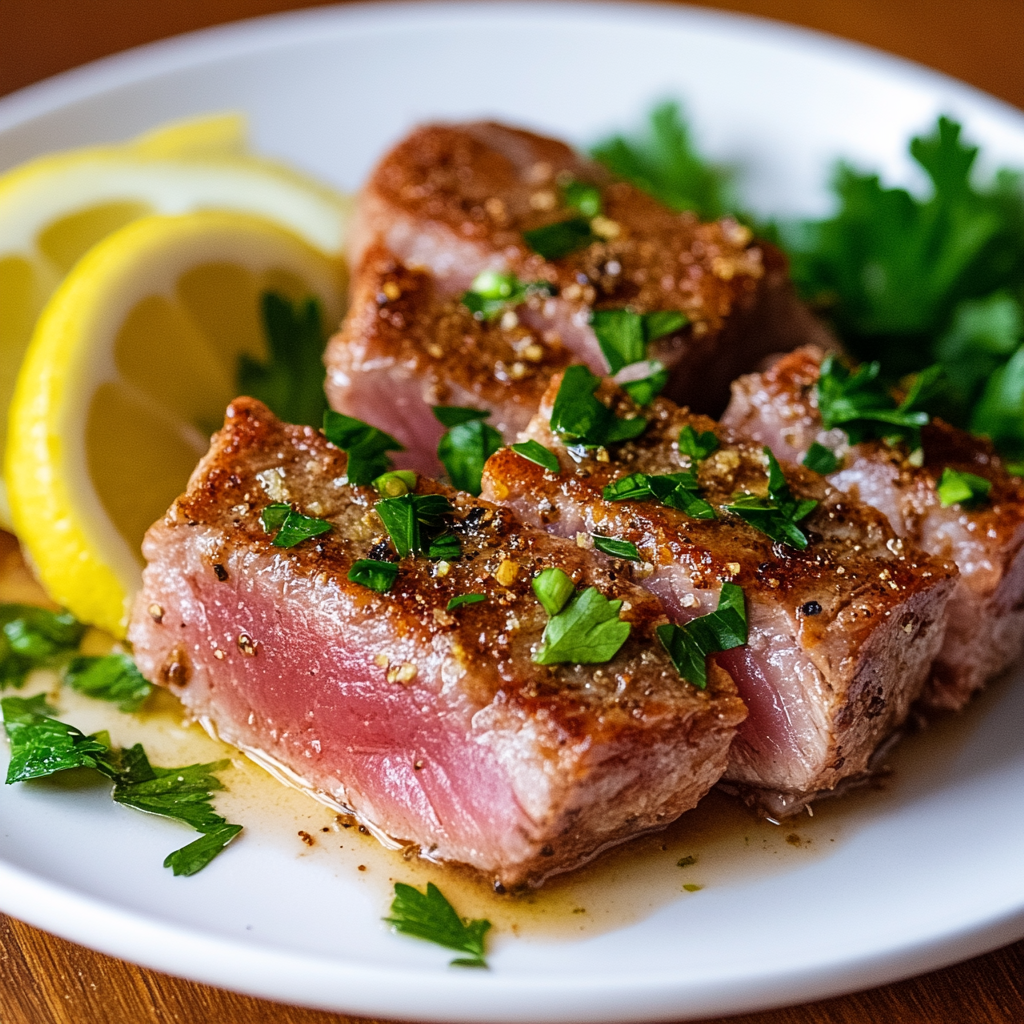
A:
(434, 726)
(841, 635)
(452, 201)
(985, 631)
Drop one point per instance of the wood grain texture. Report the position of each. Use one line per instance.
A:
(46, 980)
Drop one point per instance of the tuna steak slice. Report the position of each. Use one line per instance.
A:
(985, 615)
(434, 727)
(451, 201)
(841, 635)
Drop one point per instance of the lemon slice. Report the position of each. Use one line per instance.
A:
(130, 367)
(54, 208)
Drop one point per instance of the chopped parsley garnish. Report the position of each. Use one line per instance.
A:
(581, 419)
(624, 335)
(616, 548)
(663, 162)
(374, 574)
(963, 488)
(553, 588)
(365, 446)
(697, 446)
(584, 198)
(820, 459)
(862, 406)
(675, 490)
(42, 745)
(183, 794)
(492, 292)
(32, 638)
(777, 515)
(534, 451)
(721, 630)
(466, 445)
(643, 389)
(291, 382)
(292, 527)
(113, 678)
(395, 483)
(460, 599)
(415, 521)
(446, 548)
(553, 241)
(586, 630)
(431, 917)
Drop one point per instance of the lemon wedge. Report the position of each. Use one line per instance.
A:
(130, 368)
(52, 209)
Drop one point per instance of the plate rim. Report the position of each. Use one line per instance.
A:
(331, 983)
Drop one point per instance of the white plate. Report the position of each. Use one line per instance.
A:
(925, 875)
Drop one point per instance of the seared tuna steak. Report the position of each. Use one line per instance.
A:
(985, 618)
(432, 723)
(841, 634)
(452, 201)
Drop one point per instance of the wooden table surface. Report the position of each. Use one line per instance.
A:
(45, 980)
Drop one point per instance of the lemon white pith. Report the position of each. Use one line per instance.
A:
(129, 368)
(54, 208)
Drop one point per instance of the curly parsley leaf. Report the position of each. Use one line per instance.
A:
(721, 630)
(413, 521)
(820, 459)
(292, 527)
(777, 515)
(553, 241)
(697, 446)
(579, 418)
(31, 638)
(291, 382)
(365, 446)
(461, 599)
(616, 548)
(663, 162)
(113, 678)
(466, 445)
(431, 917)
(534, 451)
(42, 745)
(587, 631)
(553, 588)
(374, 574)
(956, 487)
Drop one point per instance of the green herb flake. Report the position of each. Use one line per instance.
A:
(553, 588)
(697, 446)
(466, 445)
(431, 917)
(584, 198)
(492, 292)
(114, 678)
(31, 638)
(365, 446)
(616, 548)
(686, 862)
(534, 451)
(587, 631)
(820, 459)
(460, 599)
(414, 520)
(374, 574)
(395, 483)
(291, 381)
(692, 887)
(553, 241)
(581, 419)
(956, 487)
(444, 548)
(643, 389)
(624, 335)
(777, 515)
(721, 630)
(674, 490)
(292, 527)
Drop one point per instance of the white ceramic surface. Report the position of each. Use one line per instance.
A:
(929, 875)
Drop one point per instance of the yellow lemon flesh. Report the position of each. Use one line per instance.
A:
(130, 368)
(54, 208)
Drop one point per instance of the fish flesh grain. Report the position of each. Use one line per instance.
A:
(451, 201)
(985, 617)
(841, 635)
(434, 726)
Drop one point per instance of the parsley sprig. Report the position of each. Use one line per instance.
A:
(492, 292)
(466, 445)
(584, 628)
(721, 630)
(366, 446)
(579, 418)
(431, 917)
(776, 515)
